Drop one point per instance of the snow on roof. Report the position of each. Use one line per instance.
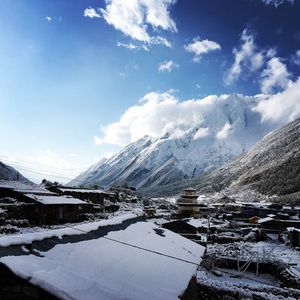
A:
(82, 190)
(198, 222)
(263, 220)
(28, 238)
(260, 204)
(106, 269)
(204, 223)
(55, 199)
(293, 229)
(158, 221)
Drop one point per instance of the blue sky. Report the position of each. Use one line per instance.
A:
(67, 73)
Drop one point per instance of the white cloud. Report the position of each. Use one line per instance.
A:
(277, 3)
(246, 57)
(275, 76)
(273, 73)
(160, 113)
(97, 140)
(224, 132)
(91, 13)
(131, 46)
(167, 66)
(201, 133)
(199, 47)
(49, 19)
(295, 59)
(134, 18)
(158, 40)
(281, 107)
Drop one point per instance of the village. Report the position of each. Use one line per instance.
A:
(239, 249)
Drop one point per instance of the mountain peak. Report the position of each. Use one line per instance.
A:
(185, 149)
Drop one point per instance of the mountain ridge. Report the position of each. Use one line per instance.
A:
(271, 168)
(11, 174)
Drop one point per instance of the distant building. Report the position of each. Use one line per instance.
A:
(41, 206)
(271, 225)
(96, 196)
(180, 227)
(52, 209)
(187, 203)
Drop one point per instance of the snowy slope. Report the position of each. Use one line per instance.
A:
(272, 166)
(9, 173)
(225, 131)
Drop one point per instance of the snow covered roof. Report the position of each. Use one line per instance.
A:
(141, 262)
(55, 199)
(96, 191)
(260, 204)
(293, 229)
(204, 223)
(263, 220)
(30, 237)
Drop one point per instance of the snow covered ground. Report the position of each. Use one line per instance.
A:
(265, 251)
(243, 284)
(140, 262)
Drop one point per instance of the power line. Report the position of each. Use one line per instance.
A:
(41, 172)
(18, 160)
(44, 173)
(137, 247)
(22, 167)
(152, 251)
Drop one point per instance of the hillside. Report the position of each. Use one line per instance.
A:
(272, 166)
(9, 173)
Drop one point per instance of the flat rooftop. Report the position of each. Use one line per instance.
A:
(141, 262)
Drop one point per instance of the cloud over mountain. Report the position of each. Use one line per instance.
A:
(158, 114)
(281, 107)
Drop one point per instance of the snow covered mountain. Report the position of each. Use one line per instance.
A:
(225, 131)
(9, 173)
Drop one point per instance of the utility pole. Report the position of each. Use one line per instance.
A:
(257, 264)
